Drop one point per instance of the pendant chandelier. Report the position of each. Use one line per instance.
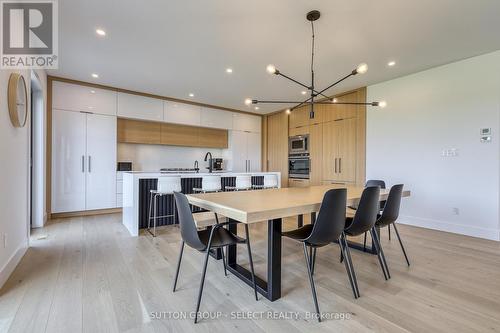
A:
(316, 97)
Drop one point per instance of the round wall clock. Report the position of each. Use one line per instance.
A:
(18, 100)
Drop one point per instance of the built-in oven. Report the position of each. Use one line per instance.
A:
(299, 166)
(298, 144)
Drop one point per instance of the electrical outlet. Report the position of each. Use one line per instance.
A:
(455, 211)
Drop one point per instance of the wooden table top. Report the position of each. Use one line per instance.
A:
(263, 205)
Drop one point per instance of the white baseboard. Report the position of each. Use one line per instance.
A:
(492, 234)
(11, 264)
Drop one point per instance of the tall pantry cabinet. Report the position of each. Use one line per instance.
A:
(83, 148)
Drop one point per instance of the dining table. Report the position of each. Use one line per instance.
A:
(271, 206)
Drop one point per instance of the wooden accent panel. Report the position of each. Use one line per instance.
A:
(294, 182)
(316, 153)
(138, 131)
(346, 138)
(277, 145)
(298, 131)
(212, 138)
(86, 213)
(299, 117)
(179, 135)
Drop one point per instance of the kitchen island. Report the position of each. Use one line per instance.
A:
(137, 185)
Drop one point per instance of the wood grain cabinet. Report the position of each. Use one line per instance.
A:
(316, 153)
(149, 132)
(138, 131)
(299, 117)
(339, 150)
(277, 145)
(296, 182)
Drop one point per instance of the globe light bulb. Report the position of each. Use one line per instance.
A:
(382, 104)
(248, 101)
(271, 69)
(362, 68)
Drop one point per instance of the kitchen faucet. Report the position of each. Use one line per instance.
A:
(210, 165)
(196, 167)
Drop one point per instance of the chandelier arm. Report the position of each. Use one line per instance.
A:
(335, 83)
(349, 103)
(300, 84)
(301, 103)
(276, 102)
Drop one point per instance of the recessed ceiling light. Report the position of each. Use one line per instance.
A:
(92, 91)
(95, 76)
(391, 63)
(334, 100)
(256, 108)
(191, 95)
(303, 92)
(288, 111)
(100, 32)
(229, 70)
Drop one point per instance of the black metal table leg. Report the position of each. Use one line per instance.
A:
(270, 289)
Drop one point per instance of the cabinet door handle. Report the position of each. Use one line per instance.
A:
(249, 166)
(340, 165)
(90, 164)
(335, 165)
(83, 163)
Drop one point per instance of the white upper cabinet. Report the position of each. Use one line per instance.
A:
(73, 97)
(248, 123)
(180, 113)
(140, 107)
(215, 118)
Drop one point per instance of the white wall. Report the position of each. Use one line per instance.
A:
(428, 112)
(154, 157)
(14, 182)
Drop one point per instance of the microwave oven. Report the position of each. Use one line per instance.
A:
(298, 144)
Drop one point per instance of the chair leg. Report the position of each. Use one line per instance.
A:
(178, 265)
(251, 261)
(313, 260)
(348, 260)
(202, 282)
(380, 254)
(150, 206)
(348, 270)
(223, 260)
(389, 230)
(155, 214)
(313, 289)
(341, 256)
(401, 243)
(364, 244)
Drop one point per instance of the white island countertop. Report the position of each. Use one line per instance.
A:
(131, 190)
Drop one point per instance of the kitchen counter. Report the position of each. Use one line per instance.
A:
(137, 184)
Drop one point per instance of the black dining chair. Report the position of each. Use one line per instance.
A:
(391, 213)
(381, 184)
(205, 240)
(328, 227)
(364, 221)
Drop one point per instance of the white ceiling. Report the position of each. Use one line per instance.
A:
(172, 48)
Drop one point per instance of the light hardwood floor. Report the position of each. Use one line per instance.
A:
(89, 275)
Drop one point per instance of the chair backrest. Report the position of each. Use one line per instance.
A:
(366, 214)
(189, 233)
(169, 184)
(243, 181)
(331, 218)
(270, 181)
(391, 210)
(211, 183)
(375, 182)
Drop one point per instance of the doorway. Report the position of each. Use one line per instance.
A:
(37, 154)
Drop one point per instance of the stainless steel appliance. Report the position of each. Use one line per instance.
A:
(298, 144)
(299, 166)
(217, 164)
